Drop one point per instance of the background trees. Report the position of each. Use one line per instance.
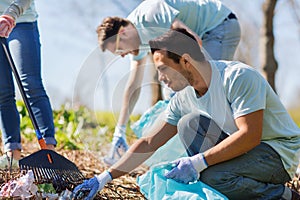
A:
(74, 70)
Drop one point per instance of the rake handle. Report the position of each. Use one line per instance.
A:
(41, 140)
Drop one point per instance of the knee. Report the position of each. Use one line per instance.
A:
(187, 125)
(7, 96)
(193, 121)
(34, 86)
(189, 121)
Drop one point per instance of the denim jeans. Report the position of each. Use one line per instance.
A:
(221, 42)
(258, 174)
(24, 44)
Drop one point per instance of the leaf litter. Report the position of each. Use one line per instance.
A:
(90, 164)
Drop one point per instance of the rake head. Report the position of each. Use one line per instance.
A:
(50, 167)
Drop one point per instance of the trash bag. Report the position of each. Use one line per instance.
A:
(155, 186)
(173, 149)
(142, 126)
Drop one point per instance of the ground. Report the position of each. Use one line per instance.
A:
(90, 163)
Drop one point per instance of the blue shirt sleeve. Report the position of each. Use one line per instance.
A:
(173, 114)
(246, 92)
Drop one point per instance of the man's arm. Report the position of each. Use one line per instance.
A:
(142, 149)
(136, 155)
(246, 138)
(132, 90)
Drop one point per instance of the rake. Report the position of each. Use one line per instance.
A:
(47, 165)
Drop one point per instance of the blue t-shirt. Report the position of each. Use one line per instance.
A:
(236, 90)
(153, 18)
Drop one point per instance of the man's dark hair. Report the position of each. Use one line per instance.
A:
(108, 30)
(177, 42)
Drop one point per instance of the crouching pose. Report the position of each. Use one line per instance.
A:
(238, 135)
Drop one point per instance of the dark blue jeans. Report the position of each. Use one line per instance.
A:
(24, 44)
(258, 174)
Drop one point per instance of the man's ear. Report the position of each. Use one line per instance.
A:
(186, 58)
(122, 30)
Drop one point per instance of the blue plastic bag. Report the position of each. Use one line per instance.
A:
(141, 127)
(155, 186)
(173, 149)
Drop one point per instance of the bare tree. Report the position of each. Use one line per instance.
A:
(269, 63)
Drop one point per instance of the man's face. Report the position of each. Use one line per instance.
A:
(125, 43)
(174, 75)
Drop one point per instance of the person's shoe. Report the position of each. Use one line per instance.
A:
(6, 162)
(295, 195)
(119, 147)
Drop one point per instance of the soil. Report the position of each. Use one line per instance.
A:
(125, 187)
(90, 164)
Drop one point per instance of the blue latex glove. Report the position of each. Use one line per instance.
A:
(187, 169)
(119, 146)
(91, 187)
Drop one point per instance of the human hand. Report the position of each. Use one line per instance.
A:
(119, 146)
(187, 169)
(7, 23)
(91, 187)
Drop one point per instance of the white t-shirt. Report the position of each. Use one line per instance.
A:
(154, 17)
(29, 15)
(236, 90)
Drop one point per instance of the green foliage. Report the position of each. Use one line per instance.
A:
(46, 188)
(26, 125)
(81, 128)
(76, 128)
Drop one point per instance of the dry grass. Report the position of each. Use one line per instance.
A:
(90, 163)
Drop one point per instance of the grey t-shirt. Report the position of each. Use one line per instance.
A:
(28, 6)
(236, 90)
(153, 18)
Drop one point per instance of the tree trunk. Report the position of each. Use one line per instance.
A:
(269, 63)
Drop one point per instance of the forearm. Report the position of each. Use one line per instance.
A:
(129, 100)
(245, 139)
(132, 90)
(233, 146)
(17, 8)
(143, 149)
(135, 156)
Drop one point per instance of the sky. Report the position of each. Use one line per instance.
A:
(74, 68)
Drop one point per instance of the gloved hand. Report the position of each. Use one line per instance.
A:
(7, 23)
(119, 145)
(187, 169)
(91, 187)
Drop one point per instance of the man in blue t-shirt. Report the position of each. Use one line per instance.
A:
(212, 23)
(239, 137)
